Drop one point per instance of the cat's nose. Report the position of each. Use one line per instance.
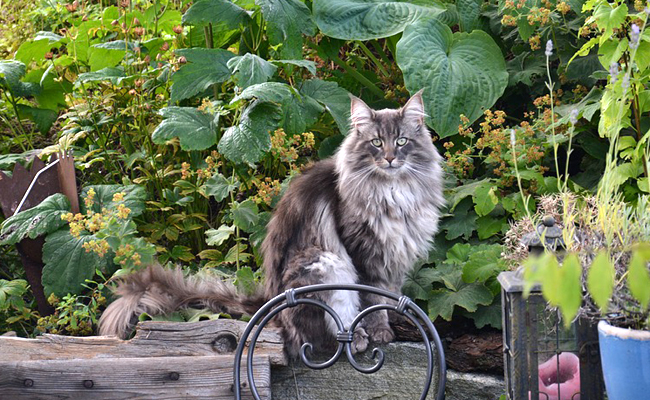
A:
(389, 158)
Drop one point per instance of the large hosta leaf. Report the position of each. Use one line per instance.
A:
(461, 73)
(250, 69)
(216, 12)
(67, 264)
(370, 19)
(36, 221)
(205, 67)
(287, 20)
(248, 141)
(195, 129)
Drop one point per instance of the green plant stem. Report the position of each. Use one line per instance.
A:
(10, 98)
(354, 73)
(372, 57)
(207, 31)
(380, 50)
(637, 122)
(549, 84)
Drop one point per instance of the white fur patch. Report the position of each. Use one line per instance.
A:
(337, 269)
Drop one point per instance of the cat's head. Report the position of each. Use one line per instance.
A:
(389, 142)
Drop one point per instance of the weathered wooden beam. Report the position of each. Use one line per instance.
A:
(152, 339)
(201, 377)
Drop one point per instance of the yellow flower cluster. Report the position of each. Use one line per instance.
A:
(127, 252)
(266, 190)
(99, 247)
(287, 148)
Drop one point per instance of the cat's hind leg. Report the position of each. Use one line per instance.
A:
(306, 323)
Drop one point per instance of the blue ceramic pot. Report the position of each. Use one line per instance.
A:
(625, 356)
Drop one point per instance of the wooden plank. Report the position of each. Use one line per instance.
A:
(152, 339)
(129, 378)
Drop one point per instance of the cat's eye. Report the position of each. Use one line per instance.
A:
(376, 142)
(401, 141)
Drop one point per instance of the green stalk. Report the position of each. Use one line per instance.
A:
(381, 52)
(372, 57)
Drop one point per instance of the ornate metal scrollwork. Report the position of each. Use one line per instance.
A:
(404, 306)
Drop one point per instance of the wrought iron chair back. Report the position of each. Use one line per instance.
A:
(404, 306)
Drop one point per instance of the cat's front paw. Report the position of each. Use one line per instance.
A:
(359, 340)
(381, 334)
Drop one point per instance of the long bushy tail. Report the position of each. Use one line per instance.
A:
(158, 291)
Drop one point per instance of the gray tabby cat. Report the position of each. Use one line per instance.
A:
(363, 216)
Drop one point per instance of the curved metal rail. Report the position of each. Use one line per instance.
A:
(404, 306)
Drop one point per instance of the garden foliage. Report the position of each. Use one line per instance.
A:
(188, 119)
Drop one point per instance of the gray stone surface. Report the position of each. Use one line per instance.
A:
(401, 378)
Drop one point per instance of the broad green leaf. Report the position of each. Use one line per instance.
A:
(250, 140)
(84, 33)
(35, 49)
(525, 68)
(42, 117)
(469, 12)
(286, 21)
(275, 92)
(216, 12)
(489, 226)
(600, 280)
(485, 199)
(113, 74)
(8, 289)
(182, 253)
(134, 197)
(36, 221)
(245, 214)
(334, 98)
(370, 19)
(462, 223)
(442, 301)
(237, 252)
(11, 72)
(487, 315)
(307, 64)
(609, 18)
(250, 69)
(106, 56)
(570, 288)
(245, 280)
(611, 51)
(67, 263)
(417, 284)
(216, 237)
(460, 73)
(219, 187)
(204, 68)
(483, 264)
(469, 189)
(329, 146)
(53, 90)
(195, 129)
(638, 279)
(459, 253)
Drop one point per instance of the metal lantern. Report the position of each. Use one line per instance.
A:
(538, 350)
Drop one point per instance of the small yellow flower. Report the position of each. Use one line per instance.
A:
(118, 196)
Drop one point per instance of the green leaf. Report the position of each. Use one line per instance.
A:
(638, 279)
(103, 55)
(462, 223)
(469, 189)
(11, 72)
(442, 301)
(134, 198)
(459, 253)
(417, 284)
(67, 263)
(42, 117)
(182, 253)
(460, 73)
(35, 49)
(483, 264)
(9, 289)
(216, 12)
(36, 221)
(219, 186)
(489, 226)
(275, 92)
(329, 146)
(570, 288)
(334, 98)
(195, 129)
(487, 315)
(216, 237)
(53, 92)
(307, 64)
(245, 280)
(608, 18)
(204, 68)
(370, 19)
(113, 74)
(250, 140)
(237, 252)
(286, 21)
(485, 199)
(600, 280)
(245, 214)
(250, 69)
(469, 12)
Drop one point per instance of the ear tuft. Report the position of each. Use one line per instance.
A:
(360, 113)
(413, 110)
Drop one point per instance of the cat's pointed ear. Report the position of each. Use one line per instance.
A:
(413, 110)
(360, 113)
